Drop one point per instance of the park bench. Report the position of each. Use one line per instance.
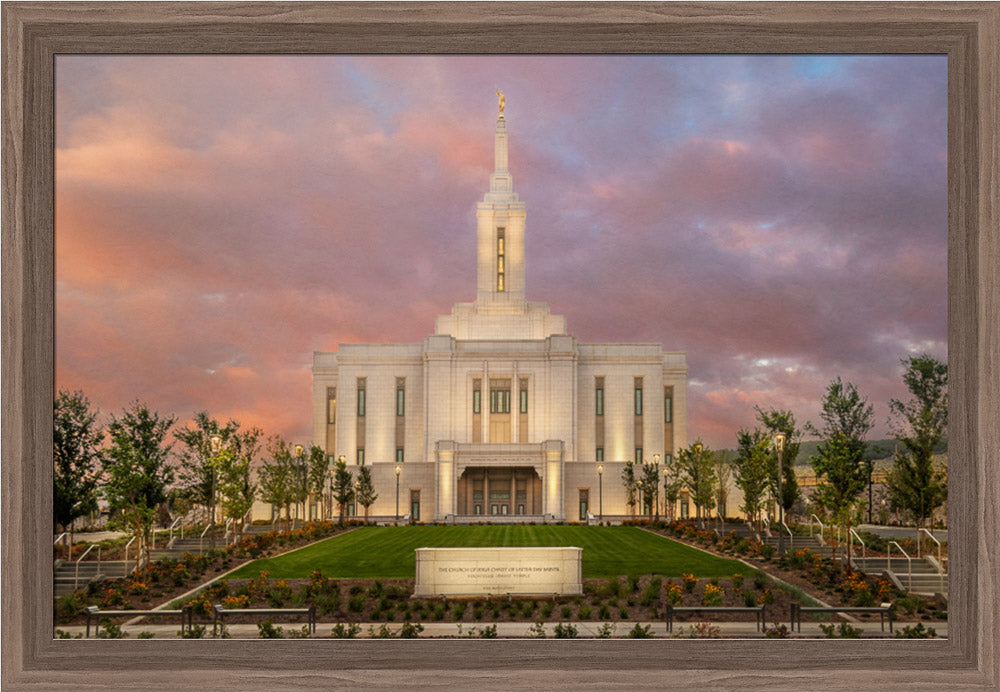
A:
(93, 612)
(759, 611)
(882, 610)
(221, 611)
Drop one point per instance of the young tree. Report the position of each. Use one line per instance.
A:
(137, 470)
(778, 421)
(650, 484)
(723, 474)
(236, 487)
(278, 478)
(629, 481)
(343, 485)
(752, 468)
(199, 466)
(672, 486)
(697, 467)
(76, 442)
(915, 484)
(365, 489)
(841, 461)
(319, 467)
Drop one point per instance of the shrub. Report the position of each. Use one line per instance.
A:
(566, 611)
(459, 611)
(583, 613)
(641, 632)
(777, 632)
(477, 613)
(844, 631)
(916, 632)
(702, 630)
(689, 582)
(712, 595)
(60, 634)
(193, 632)
(737, 581)
(674, 593)
(604, 613)
(612, 588)
(488, 632)
(606, 630)
(348, 631)
(749, 598)
(110, 630)
(864, 599)
(138, 588)
(69, 606)
(537, 630)
(633, 582)
(623, 613)
(766, 551)
(267, 630)
(565, 631)
(356, 604)
(909, 604)
(760, 580)
(547, 609)
(766, 597)
(236, 601)
(383, 632)
(410, 630)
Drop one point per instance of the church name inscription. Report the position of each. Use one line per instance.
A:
(475, 571)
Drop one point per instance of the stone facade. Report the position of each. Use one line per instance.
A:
(500, 414)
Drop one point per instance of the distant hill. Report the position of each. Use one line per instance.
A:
(877, 449)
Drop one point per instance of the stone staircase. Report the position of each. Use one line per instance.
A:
(918, 575)
(67, 579)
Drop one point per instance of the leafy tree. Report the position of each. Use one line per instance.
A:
(752, 468)
(76, 443)
(723, 474)
(650, 483)
(672, 486)
(319, 467)
(697, 468)
(629, 481)
(343, 486)
(137, 470)
(278, 477)
(365, 489)
(779, 421)
(915, 484)
(236, 487)
(841, 462)
(199, 466)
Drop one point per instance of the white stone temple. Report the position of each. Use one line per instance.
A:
(499, 415)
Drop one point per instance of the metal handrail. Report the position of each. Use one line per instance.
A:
(909, 564)
(822, 526)
(64, 533)
(767, 524)
(69, 552)
(791, 536)
(126, 548)
(171, 529)
(201, 539)
(940, 564)
(855, 535)
(76, 575)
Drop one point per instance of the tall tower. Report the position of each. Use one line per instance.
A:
(500, 232)
(501, 309)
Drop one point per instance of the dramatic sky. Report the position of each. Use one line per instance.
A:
(218, 219)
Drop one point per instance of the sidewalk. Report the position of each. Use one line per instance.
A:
(514, 630)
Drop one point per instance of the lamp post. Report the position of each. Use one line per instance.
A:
(642, 500)
(600, 491)
(299, 452)
(779, 446)
(333, 473)
(398, 469)
(697, 451)
(871, 468)
(357, 487)
(216, 443)
(656, 486)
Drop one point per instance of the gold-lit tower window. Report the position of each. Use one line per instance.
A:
(500, 259)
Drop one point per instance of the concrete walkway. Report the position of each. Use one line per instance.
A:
(515, 630)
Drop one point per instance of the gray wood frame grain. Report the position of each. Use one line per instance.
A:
(969, 33)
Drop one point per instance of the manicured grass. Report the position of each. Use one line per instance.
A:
(387, 552)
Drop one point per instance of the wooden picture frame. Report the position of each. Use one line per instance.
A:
(969, 33)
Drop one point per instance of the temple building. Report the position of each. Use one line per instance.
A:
(500, 414)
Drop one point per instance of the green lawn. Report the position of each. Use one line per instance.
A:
(387, 552)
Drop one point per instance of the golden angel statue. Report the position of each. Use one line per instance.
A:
(501, 101)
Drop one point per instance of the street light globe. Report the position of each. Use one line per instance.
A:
(656, 459)
(600, 469)
(697, 447)
(341, 459)
(216, 442)
(398, 469)
(298, 450)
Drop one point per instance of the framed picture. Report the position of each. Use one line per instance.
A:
(968, 34)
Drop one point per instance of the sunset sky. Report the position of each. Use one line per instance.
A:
(781, 219)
